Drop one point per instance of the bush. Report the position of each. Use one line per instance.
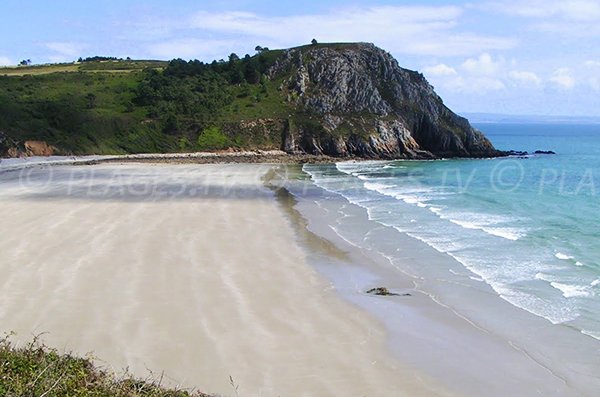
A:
(213, 138)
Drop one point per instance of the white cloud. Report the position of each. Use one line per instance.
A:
(417, 30)
(592, 64)
(563, 78)
(4, 61)
(475, 85)
(483, 65)
(475, 75)
(527, 78)
(440, 70)
(482, 74)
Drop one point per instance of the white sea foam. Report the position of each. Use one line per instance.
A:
(559, 311)
(379, 187)
(487, 223)
(572, 291)
(504, 232)
(568, 290)
(578, 263)
(436, 210)
(595, 335)
(544, 277)
(562, 256)
(414, 196)
(556, 314)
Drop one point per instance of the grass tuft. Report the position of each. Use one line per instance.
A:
(36, 370)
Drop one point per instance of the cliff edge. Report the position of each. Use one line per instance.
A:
(355, 100)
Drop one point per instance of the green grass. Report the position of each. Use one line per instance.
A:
(106, 66)
(254, 101)
(37, 371)
(80, 113)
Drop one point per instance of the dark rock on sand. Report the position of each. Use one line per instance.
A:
(382, 291)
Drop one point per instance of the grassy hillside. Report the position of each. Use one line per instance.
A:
(125, 106)
(34, 370)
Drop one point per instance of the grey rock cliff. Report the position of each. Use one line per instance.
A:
(355, 100)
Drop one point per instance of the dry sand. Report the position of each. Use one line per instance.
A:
(193, 270)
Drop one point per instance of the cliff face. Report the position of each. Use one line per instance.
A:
(354, 99)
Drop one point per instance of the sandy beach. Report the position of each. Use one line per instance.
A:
(205, 273)
(190, 270)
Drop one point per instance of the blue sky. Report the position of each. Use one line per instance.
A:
(498, 56)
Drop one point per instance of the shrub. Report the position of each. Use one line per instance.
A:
(212, 138)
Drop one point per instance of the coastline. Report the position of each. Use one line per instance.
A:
(184, 283)
(450, 337)
(452, 317)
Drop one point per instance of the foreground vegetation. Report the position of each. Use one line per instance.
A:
(36, 371)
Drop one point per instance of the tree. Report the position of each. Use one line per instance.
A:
(91, 100)
(171, 125)
(237, 76)
(313, 42)
(251, 73)
(25, 62)
(233, 57)
(258, 49)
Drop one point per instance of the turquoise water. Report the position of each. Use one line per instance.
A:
(526, 226)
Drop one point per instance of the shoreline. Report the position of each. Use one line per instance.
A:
(185, 284)
(221, 157)
(423, 336)
(519, 357)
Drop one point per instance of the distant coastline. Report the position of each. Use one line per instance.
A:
(494, 118)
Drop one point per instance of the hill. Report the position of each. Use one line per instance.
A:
(335, 99)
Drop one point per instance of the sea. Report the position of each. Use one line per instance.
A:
(529, 226)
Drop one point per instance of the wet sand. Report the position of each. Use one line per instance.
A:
(191, 270)
(453, 327)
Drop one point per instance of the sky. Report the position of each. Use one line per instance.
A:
(539, 57)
